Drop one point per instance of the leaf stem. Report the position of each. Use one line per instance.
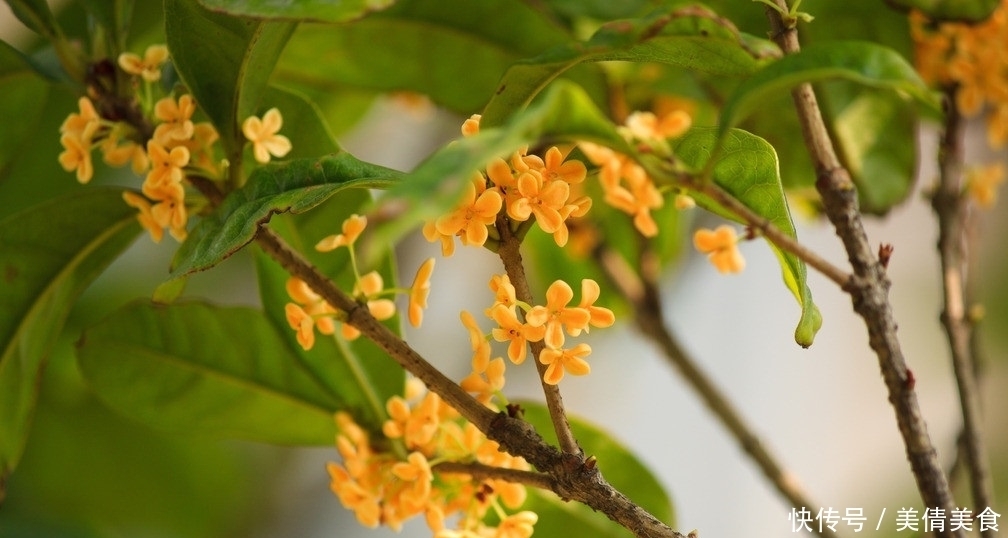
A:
(949, 206)
(869, 288)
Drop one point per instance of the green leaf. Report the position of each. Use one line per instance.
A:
(746, 167)
(619, 466)
(115, 16)
(565, 113)
(36, 15)
(195, 368)
(225, 62)
(451, 50)
(296, 186)
(950, 10)
(691, 38)
(300, 10)
(864, 63)
(48, 255)
(357, 374)
(597, 9)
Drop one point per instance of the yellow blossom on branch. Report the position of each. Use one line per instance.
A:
(477, 210)
(556, 315)
(353, 226)
(148, 67)
(176, 120)
(145, 217)
(721, 247)
(419, 292)
(517, 333)
(559, 361)
(263, 135)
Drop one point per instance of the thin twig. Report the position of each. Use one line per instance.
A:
(510, 254)
(641, 291)
(869, 289)
(950, 207)
(481, 471)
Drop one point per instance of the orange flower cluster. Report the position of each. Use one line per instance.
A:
(972, 58)
(385, 488)
(524, 186)
(175, 148)
(309, 311)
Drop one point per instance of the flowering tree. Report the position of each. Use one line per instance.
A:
(590, 134)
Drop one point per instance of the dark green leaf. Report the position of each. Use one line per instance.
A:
(224, 61)
(195, 368)
(691, 38)
(950, 10)
(864, 63)
(619, 466)
(48, 256)
(294, 186)
(35, 14)
(598, 9)
(300, 10)
(451, 50)
(114, 15)
(746, 167)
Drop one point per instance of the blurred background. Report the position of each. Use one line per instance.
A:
(822, 411)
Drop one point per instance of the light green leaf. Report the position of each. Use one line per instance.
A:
(295, 186)
(619, 466)
(225, 62)
(454, 51)
(692, 38)
(598, 9)
(195, 368)
(950, 10)
(746, 167)
(300, 10)
(861, 62)
(48, 255)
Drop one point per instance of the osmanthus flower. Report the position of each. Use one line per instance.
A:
(78, 122)
(263, 135)
(982, 184)
(599, 316)
(352, 228)
(543, 199)
(419, 292)
(499, 172)
(76, 155)
(144, 216)
(417, 472)
(646, 125)
(517, 333)
(555, 167)
(416, 426)
(477, 341)
(477, 210)
(308, 312)
(556, 315)
(118, 151)
(484, 385)
(176, 119)
(504, 293)
(369, 287)
(166, 166)
(148, 67)
(721, 247)
(638, 198)
(561, 360)
(518, 525)
(170, 209)
(470, 126)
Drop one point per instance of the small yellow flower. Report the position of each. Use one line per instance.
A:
(144, 216)
(471, 217)
(486, 383)
(417, 471)
(560, 360)
(599, 316)
(518, 525)
(982, 184)
(302, 323)
(76, 155)
(477, 341)
(543, 199)
(684, 201)
(470, 126)
(353, 226)
(166, 166)
(511, 330)
(149, 67)
(419, 292)
(79, 122)
(556, 315)
(263, 135)
(721, 247)
(176, 118)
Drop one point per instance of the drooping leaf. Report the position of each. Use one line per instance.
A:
(453, 51)
(299, 10)
(296, 186)
(196, 368)
(357, 374)
(619, 466)
(565, 113)
(950, 10)
(225, 62)
(861, 62)
(48, 255)
(691, 37)
(746, 167)
(35, 14)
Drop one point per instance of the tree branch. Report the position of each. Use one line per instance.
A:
(481, 471)
(510, 254)
(950, 207)
(869, 288)
(641, 290)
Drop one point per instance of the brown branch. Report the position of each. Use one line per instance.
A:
(481, 471)
(641, 290)
(869, 288)
(574, 478)
(950, 207)
(510, 254)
